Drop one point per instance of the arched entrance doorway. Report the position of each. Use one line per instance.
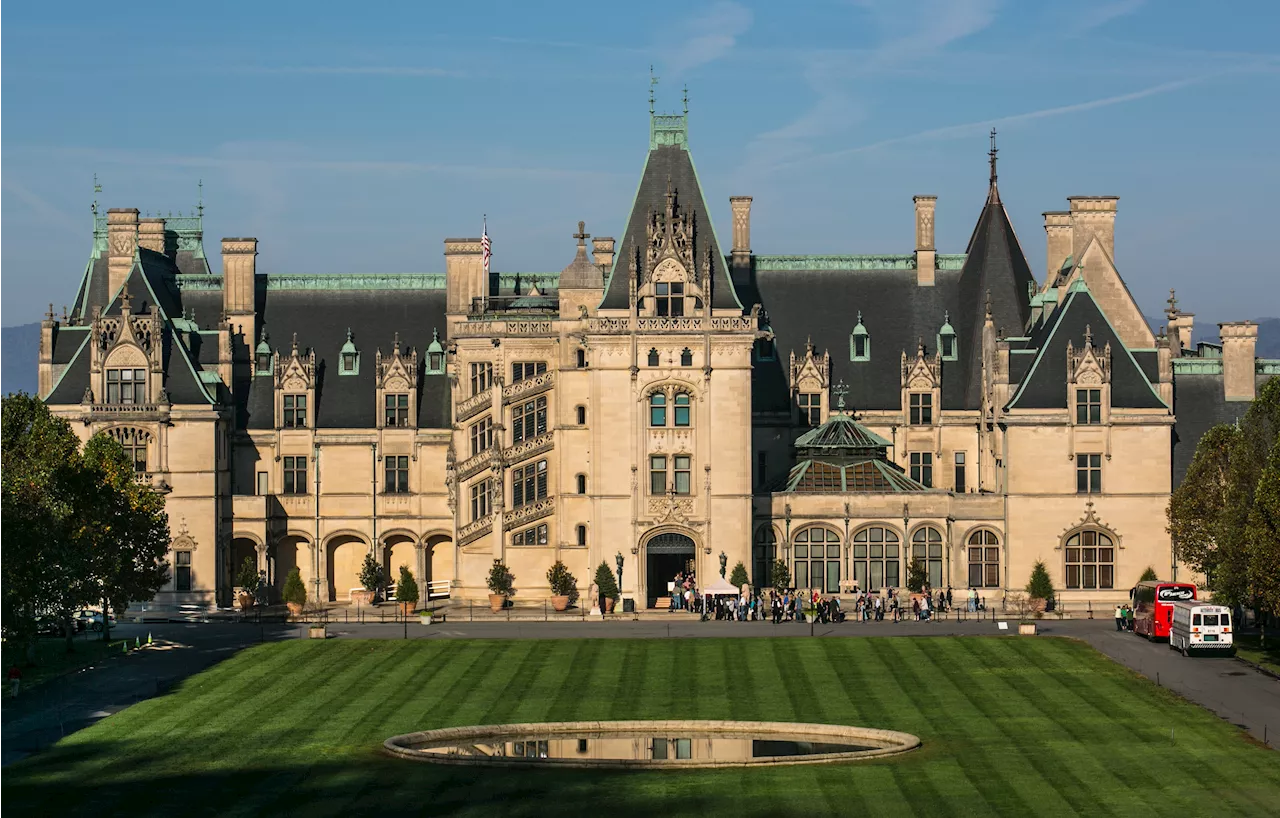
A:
(665, 556)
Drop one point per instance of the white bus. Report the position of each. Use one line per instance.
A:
(1198, 626)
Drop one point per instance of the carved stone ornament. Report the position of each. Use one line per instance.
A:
(811, 373)
(923, 372)
(1088, 366)
(670, 236)
(1090, 520)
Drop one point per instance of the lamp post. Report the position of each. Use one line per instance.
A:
(618, 560)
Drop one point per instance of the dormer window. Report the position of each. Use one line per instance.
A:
(349, 357)
(859, 342)
(921, 409)
(435, 355)
(670, 299)
(947, 346)
(764, 350)
(1088, 407)
(262, 357)
(127, 386)
(295, 411)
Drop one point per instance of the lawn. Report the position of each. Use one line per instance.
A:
(1250, 648)
(1011, 726)
(52, 659)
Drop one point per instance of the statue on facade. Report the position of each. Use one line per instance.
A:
(618, 560)
(724, 561)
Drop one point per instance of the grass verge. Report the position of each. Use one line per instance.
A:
(52, 659)
(1250, 649)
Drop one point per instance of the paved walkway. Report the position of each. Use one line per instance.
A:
(37, 719)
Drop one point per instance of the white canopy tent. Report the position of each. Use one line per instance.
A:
(720, 587)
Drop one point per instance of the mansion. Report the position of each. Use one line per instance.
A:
(665, 402)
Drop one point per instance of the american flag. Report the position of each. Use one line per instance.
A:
(485, 252)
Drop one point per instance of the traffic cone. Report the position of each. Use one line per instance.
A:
(124, 643)
(137, 641)
(148, 638)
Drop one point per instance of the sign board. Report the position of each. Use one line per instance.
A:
(1004, 626)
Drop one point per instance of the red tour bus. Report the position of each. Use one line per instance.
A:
(1153, 606)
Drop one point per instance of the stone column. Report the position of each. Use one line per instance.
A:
(926, 254)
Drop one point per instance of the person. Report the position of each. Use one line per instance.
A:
(948, 597)
(879, 608)
(1119, 617)
(15, 679)
(924, 608)
(915, 608)
(973, 601)
(1128, 616)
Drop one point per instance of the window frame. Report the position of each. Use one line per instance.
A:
(657, 471)
(868, 553)
(658, 410)
(1088, 473)
(396, 474)
(481, 501)
(922, 468)
(982, 552)
(668, 299)
(930, 551)
(182, 570)
(809, 405)
(1089, 559)
(806, 565)
(682, 467)
(395, 406)
(480, 434)
(1089, 409)
(961, 474)
(653, 359)
(524, 370)
(481, 377)
(529, 483)
(294, 410)
(526, 416)
(295, 466)
(126, 389)
(682, 410)
(920, 409)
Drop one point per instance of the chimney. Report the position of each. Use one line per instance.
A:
(602, 251)
(463, 274)
(239, 305)
(122, 241)
(740, 254)
(1239, 344)
(1185, 321)
(151, 234)
(1093, 216)
(926, 255)
(1057, 238)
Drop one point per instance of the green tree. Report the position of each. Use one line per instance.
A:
(916, 576)
(1149, 575)
(294, 590)
(738, 576)
(606, 582)
(1197, 511)
(373, 577)
(781, 576)
(247, 578)
(1263, 532)
(1040, 586)
(501, 581)
(562, 582)
(406, 586)
(1250, 452)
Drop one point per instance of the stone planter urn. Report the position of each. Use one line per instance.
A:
(317, 632)
(1027, 629)
(245, 600)
(609, 603)
(560, 603)
(362, 597)
(424, 617)
(406, 608)
(497, 602)
(295, 608)
(1037, 605)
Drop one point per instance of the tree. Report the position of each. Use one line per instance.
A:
(294, 590)
(738, 577)
(916, 576)
(1040, 586)
(1263, 532)
(562, 582)
(606, 582)
(781, 576)
(1149, 575)
(247, 578)
(406, 586)
(372, 575)
(501, 581)
(1197, 506)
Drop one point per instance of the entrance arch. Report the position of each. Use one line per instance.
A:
(344, 558)
(665, 555)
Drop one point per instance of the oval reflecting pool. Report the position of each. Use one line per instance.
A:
(655, 744)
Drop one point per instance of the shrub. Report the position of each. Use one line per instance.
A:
(1148, 575)
(294, 591)
(248, 576)
(781, 576)
(562, 582)
(916, 576)
(406, 586)
(738, 577)
(1040, 586)
(501, 580)
(606, 582)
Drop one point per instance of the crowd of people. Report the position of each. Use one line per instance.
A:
(1124, 617)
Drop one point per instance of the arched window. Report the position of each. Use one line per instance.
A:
(764, 553)
(134, 442)
(686, 357)
(581, 412)
(817, 559)
(582, 359)
(1091, 560)
(582, 535)
(875, 558)
(582, 484)
(926, 549)
(653, 357)
(984, 559)
(657, 409)
(682, 408)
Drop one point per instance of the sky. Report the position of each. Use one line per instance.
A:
(356, 137)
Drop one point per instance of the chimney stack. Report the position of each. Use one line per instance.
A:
(740, 254)
(463, 274)
(1057, 238)
(926, 253)
(1239, 346)
(238, 287)
(151, 234)
(1093, 216)
(122, 241)
(602, 251)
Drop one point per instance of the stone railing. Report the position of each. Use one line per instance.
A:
(529, 447)
(528, 387)
(474, 404)
(528, 512)
(474, 464)
(667, 506)
(474, 530)
(116, 410)
(618, 326)
(493, 329)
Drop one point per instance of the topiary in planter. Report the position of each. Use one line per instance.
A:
(406, 589)
(738, 577)
(1040, 586)
(781, 576)
(294, 593)
(606, 582)
(563, 584)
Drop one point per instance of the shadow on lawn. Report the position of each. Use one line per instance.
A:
(118, 783)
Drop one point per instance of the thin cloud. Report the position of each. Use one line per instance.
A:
(711, 35)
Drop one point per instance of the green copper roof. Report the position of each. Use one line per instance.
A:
(325, 281)
(869, 476)
(903, 261)
(841, 432)
(669, 129)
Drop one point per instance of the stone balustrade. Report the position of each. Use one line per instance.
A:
(474, 405)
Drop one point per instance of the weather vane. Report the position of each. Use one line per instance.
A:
(653, 82)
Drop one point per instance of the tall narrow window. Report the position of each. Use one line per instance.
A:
(134, 443)
(581, 413)
(921, 409)
(582, 535)
(810, 404)
(984, 559)
(481, 377)
(1088, 474)
(682, 409)
(817, 559)
(295, 475)
(762, 468)
(922, 468)
(1088, 406)
(529, 419)
(295, 411)
(764, 553)
(182, 570)
(522, 370)
(670, 299)
(127, 386)
(397, 474)
(926, 551)
(653, 357)
(528, 484)
(684, 474)
(397, 409)
(657, 474)
(686, 357)
(657, 409)
(764, 350)
(581, 484)
(875, 558)
(481, 436)
(480, 500)
(960, 473)
(582, 359)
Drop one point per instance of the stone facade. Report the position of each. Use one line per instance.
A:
(659, 405)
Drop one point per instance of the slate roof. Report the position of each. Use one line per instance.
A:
(669, 162)
(1199, 403)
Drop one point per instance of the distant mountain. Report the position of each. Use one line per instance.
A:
(19, 350)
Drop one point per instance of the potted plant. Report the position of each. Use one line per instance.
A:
(406, 591)
(500, 584)
(781, 576)
(1040, 589)
(317, 630)
(294, 593)
(608, 586)
(372, 580)
(247, 581)
(425, 617)
(738, 577)
(564, 586)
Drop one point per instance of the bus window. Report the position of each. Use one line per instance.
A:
(1195, 619)
(1211, 619)
(1226, 620)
